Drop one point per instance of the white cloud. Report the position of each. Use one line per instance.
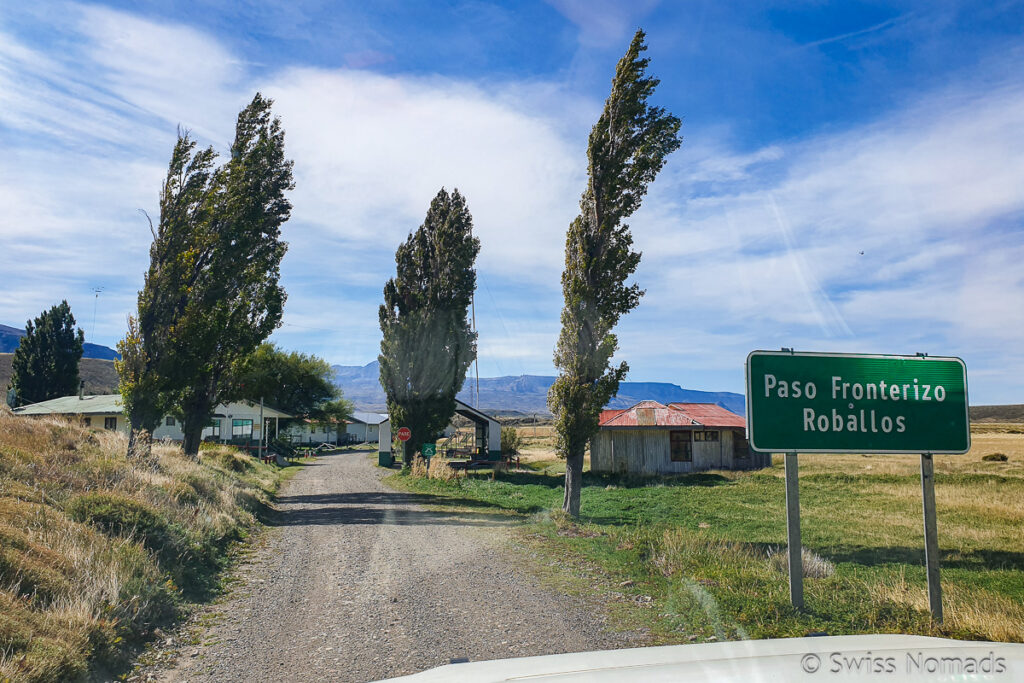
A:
(604, 22)
(743, 248)
(930, 195)
(371, 151)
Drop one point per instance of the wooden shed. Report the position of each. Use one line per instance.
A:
(651, 438)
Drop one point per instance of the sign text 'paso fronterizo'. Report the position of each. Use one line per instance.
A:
(835, 403)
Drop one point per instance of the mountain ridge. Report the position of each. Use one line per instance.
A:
(10, 338)
(527, 394)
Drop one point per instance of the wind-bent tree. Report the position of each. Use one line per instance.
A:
(233, 296)
(428, 344)
(45, 364)
(627, 148)
(211, 295)
(150, 367)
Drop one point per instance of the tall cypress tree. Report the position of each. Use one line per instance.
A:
(428, 345)
(45, 364)
(626, 150)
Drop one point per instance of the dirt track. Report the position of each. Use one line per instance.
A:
(359, 582)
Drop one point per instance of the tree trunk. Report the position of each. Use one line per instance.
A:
(140, 444)
(573, 483)
(408, 452)
(192, 426)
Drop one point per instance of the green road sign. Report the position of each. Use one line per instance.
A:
(851, 403)
(429, 450)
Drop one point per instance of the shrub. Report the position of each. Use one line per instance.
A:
(232, 462)
(118, 515)
(419, 467)
(815, 566)
(511, 441)
(440, 469)
(995, 457)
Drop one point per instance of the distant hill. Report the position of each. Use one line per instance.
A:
(10, 337)
(99, 375)
(527, 393)
(1007, 413)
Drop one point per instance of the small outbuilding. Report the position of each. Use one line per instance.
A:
(486, 435)
(652, 438)
(364, 427)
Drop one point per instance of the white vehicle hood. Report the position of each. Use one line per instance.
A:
(829, 658)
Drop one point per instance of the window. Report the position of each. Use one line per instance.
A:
(169, 421)
(110, 423)
(241, 428)
(87, 421)
(680, 446)
(214, 428)
(705, 436)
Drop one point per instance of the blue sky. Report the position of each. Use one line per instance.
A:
(851, 177)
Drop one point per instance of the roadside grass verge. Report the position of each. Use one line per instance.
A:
(96, 552)
(696, 557)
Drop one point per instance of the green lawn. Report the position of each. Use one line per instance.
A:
(699, 549)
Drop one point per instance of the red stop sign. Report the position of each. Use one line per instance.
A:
(404, 434)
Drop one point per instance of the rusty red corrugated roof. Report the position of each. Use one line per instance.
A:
(654, 414)
(645, 414)
(607, 415)
(710, 414)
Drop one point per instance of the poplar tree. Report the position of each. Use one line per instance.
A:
(45, 364)
(150, 368)
(233, 297)
(626, 150)
(428, 345)
(212, 292)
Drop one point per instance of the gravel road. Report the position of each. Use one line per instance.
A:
(358, 582)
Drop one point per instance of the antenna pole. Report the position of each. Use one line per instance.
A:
(476, 358)
(95, 301)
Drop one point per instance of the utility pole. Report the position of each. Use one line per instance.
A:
(260, 447)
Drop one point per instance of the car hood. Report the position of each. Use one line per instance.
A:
(861, 657)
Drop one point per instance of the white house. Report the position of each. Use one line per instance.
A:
(309, 431)
(365, 427)
(361, 427)
(239, 421)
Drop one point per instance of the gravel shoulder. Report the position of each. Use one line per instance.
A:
(357, 582)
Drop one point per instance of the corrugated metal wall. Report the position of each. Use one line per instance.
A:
(647, 451)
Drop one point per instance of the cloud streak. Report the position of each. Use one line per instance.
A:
(896, 235)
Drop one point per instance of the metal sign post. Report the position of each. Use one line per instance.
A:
(931, 536)
(858, 403)
(796, 559)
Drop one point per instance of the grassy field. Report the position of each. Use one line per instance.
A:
(97, 552)
(697, 557)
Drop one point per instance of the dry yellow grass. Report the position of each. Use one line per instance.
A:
(983, 443)
(70, 593)
(970, 609)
